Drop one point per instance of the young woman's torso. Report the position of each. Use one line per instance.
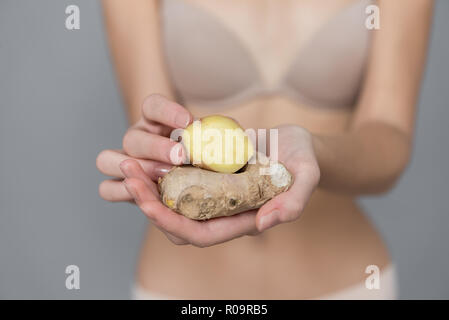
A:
(296, 76)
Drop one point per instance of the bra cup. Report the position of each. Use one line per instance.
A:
(206, 63)
(329, 70)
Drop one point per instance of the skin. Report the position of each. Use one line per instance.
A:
(334, 156)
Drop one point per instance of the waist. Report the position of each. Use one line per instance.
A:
(327, 249)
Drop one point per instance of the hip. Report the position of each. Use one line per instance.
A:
(383, 288)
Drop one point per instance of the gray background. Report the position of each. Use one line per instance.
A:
(59, 106)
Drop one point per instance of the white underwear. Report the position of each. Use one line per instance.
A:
(387, 290)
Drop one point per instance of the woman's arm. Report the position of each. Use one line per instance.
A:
(372, 154)
(134, 38)
(133, 31)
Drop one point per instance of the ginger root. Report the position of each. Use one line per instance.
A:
(202, 194)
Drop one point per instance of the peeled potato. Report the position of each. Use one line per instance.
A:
(217, 143)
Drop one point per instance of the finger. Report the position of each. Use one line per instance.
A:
(173, 225)
(132, 169)
(114, 191)
(158, 108)
(223, 229)
(198, 233)
(287, 206)
(202, 233)
(153, 127)
(108, 163)
(151, 205)
(141, 144)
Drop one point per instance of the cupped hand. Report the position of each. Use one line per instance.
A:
(295, 151)
(179, 229)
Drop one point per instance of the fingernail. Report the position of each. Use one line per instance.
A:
(182, 120)
(162, 169)
(131, 191)
(269, 220)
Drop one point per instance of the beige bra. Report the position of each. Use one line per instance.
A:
(210, 66)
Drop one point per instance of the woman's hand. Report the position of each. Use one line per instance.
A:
(295, 152)
(147, 141)
(179, 229)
